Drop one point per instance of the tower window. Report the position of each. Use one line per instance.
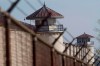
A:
(45, 23)
(51, 21)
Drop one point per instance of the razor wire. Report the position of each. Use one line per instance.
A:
(26, 1)
(35, 9)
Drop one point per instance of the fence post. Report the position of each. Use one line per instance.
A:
(7, 40)
(34, 39)
(52, 60)
(74, 63)
(63, 62)
(58, 37)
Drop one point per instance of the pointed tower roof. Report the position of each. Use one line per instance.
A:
(85, 36)
(44, 12)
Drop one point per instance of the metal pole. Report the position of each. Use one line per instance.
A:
(79, 50)
(58, 37)
(95, 61)
(86, 55)
(52, 60)
(69, 44)
(13, 6)
(90, 59)
(74, 62)
(63, 62)
(7, 40)
(34, 50)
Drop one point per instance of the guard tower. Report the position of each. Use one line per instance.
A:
(84, 39)
(46, 27)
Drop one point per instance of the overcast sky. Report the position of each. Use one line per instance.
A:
(79, 15)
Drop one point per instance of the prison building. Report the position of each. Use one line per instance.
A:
(83, 45)
(49, 28)
(28, 50)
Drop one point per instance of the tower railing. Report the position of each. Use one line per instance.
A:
(52, 28)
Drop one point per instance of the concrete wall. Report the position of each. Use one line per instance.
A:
(21, 48)
(50, 38)
(72, 50)
(91, 53)
(2, 47)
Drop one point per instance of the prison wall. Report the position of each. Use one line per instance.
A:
(21, 48)
(27, 51)
(81, 52)
(50, 37)
(2, 46)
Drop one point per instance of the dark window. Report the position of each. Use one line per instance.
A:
(45, 23)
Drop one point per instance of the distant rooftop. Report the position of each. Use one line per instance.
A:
(85, 36)
(44, 12)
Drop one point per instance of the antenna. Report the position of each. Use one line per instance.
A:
(44, 4)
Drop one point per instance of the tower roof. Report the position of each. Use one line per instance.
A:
(85, 36)
(44, 12)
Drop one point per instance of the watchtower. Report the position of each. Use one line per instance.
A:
(84, 39)
(46, 26)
